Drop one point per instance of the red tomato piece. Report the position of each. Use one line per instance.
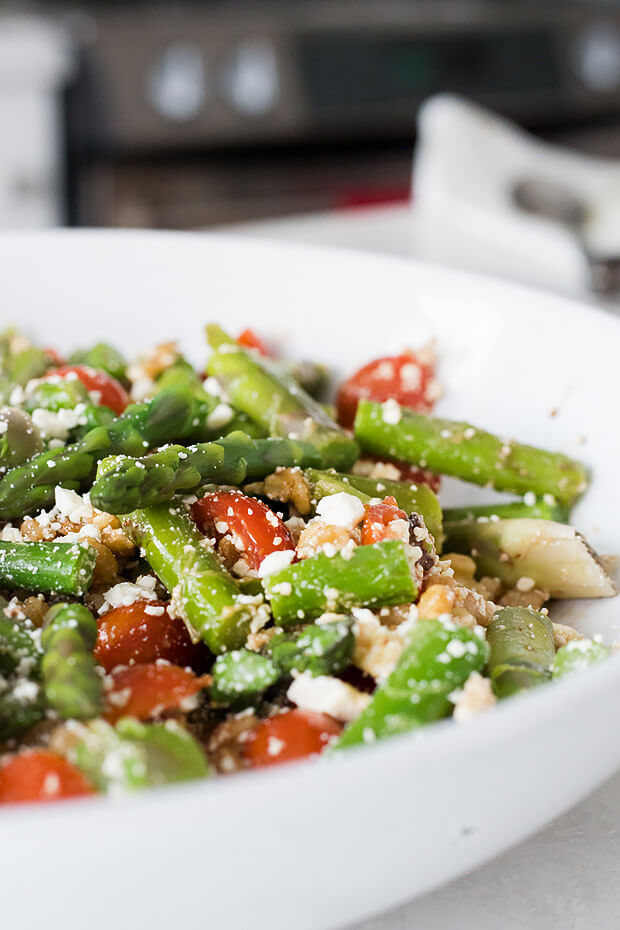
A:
(146, 691)
(249, 340)
(295, 734)
(252, 526)
(40, 775)
(378, 522)
(404, 378)
(112, 393)
(55, 355)
(131, 636)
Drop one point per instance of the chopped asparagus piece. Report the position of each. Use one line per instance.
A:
(552, 556)
(578, 654)
(522, 650)
(373, 576)
(513, 510)
(437, 659)
(103, 357)
(21, 699)
(320, 650)
(19, 438)
(63, 568)
(469, 453)
(72, 686)
(276, 401)
(203, 593)
(241, 675)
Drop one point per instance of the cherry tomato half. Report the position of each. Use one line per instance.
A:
(249, 340)
(137, 633)
(112, 393)
(379, 520)
(405, 378)
(295, 734)
(249, 522)
(146, 691)
(40, 775)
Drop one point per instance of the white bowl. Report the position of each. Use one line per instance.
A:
(317, 845)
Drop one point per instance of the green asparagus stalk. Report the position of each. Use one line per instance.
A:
(103, 357)
(203, 593)
(72, 686)
(522, 650)
(275, 400)
(437, 659)
(321, 650)
(21, 699)
(173, 414)
(543, 554)
(513, 510)
(135, 755)
(578, 654)
(412, 498)
(124, 484)
(17, 369)
(61, 568)
(372, 576)
(240, 676)
(19, 438)
(466, 452)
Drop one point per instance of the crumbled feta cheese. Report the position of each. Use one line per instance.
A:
(391, 412)
(275, 562)
(126, 593)
(213, 387)
(142, 388)
(475, 696)
(525, 584)
(55, 425)
(327, 695)
(529, 499)
(220, 416)
(72, 506)
(285, 588)
(341, 509)
(10, 534)
(377, 647)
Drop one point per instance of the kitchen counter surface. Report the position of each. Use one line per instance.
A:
(567, 876)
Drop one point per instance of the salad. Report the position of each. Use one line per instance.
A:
(207, 572)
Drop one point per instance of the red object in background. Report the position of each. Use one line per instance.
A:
(55, 355)
(376, 525)
(257, 527)
(372, 197)
(295, 734)
(130, 635)
(404, 378)
(146, 691)
(40, 775)
(249, 340)
(112, 393)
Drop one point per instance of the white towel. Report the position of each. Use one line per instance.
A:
(466, 164)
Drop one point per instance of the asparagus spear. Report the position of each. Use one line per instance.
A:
(124, 484)
(135, 755)
(21, 700)
(552, 556)
(72, 686)
(17, 369)
(320, 650)
(437, 659)
(275, 400)
(175, 413)
(513, 510)
(578, 654)
(19, 438)
(62, 568)
(412, 498)
(203, 593)
(522, 650)
(373, 576)
(241, 675)
(466, 452)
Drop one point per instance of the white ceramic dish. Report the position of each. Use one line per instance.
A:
(321, 845)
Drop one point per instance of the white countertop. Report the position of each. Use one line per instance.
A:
(567, 876)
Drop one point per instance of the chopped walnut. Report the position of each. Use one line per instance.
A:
(106, 566)
(289, 485)
(376, 470)
(35, 609)
(151, 366)
(226, 743)
(515, 598)
(436, 600)
(319, 534)
(564, 634)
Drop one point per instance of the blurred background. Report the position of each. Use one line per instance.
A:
(192, 114)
